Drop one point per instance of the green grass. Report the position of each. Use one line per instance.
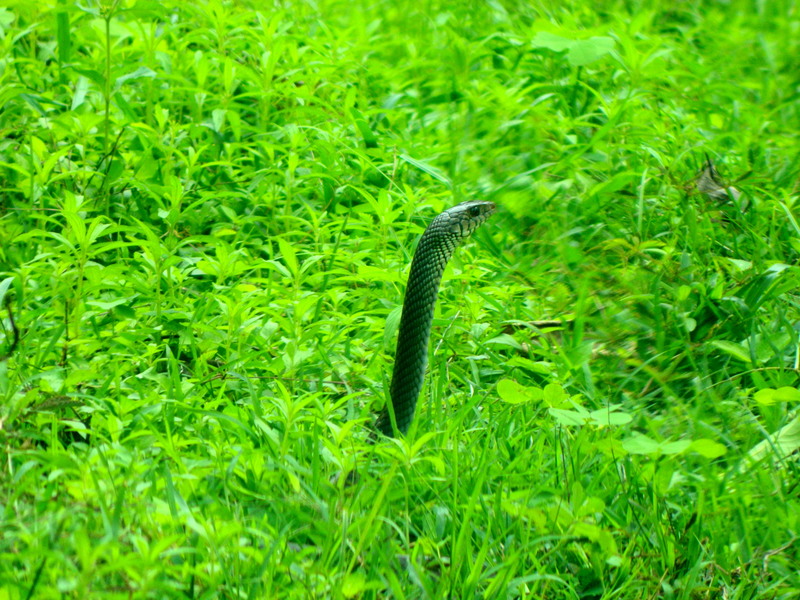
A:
(206, 217)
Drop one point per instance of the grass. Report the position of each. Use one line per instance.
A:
(206, 217)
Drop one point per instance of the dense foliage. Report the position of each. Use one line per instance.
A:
(207, 213)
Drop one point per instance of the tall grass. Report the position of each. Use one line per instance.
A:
(206, 218)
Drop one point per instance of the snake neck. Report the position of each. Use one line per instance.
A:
(435, 248)
(411, 356)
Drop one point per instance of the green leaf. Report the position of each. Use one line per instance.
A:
(579, 52)
(554, 395)
(540, 367)
(787, 394)
(609, 416)
(353, 585)
(218, 119)
(571, 418)
(783, 442)
(708, 448)
(392, 324)
(741, 265)
(63, 37)
(641, 444)
(677, 447)
(6, 19)
(371, 274)
(769, 396)
(33, 102)
(124, 106)
(92, 75)
(512, 392)
(737, 351)
(115, 170)
(369, 137)
(551, 41)
(235, 122)
(5, 285)
(81, 89)
(426, 168)
(8, 92)
(505, 339)
(289, 256)
(585, 52)
(137, 74)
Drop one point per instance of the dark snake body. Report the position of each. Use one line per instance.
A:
(435, 248)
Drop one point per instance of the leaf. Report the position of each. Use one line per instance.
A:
(33, 102)
(63, 37)
(579, 52)
(708, 448)
(371, 274)
(570, 418)
(6, 18)
(741, 265)
(585, 52)
(60, 238)
(432, 171)
(235, 122)
(4, 287)
(370, 139)
(783, 442)
(769, 396)
(609, 416)
(392, 324)
(124, 106)
(520, 510)
(289, 256)
(115, 170)
(81, 89)
(294, 356)
(505, 340)
(764, 346)
(641, 444)
(77, 228)
(541, 367)
(609, 446)
(677, 447)
(9, 92)
(353, 585)
(137, 74)
(218, 119)
(551, 41)
(554, 395)
(512, 392)
(92, 75)
(737, 351)
(95, 230)
(787, 394)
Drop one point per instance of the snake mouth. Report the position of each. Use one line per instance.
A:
(487, 208)
(472, 214)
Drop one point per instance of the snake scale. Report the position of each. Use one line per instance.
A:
(435, 248)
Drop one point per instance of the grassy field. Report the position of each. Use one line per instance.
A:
(207, 214)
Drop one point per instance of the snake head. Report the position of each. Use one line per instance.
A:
(466, 217)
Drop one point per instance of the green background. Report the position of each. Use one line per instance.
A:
(207, 210)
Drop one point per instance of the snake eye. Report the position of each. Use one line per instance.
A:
(474, 211)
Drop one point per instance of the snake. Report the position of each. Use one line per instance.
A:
(436, 246)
